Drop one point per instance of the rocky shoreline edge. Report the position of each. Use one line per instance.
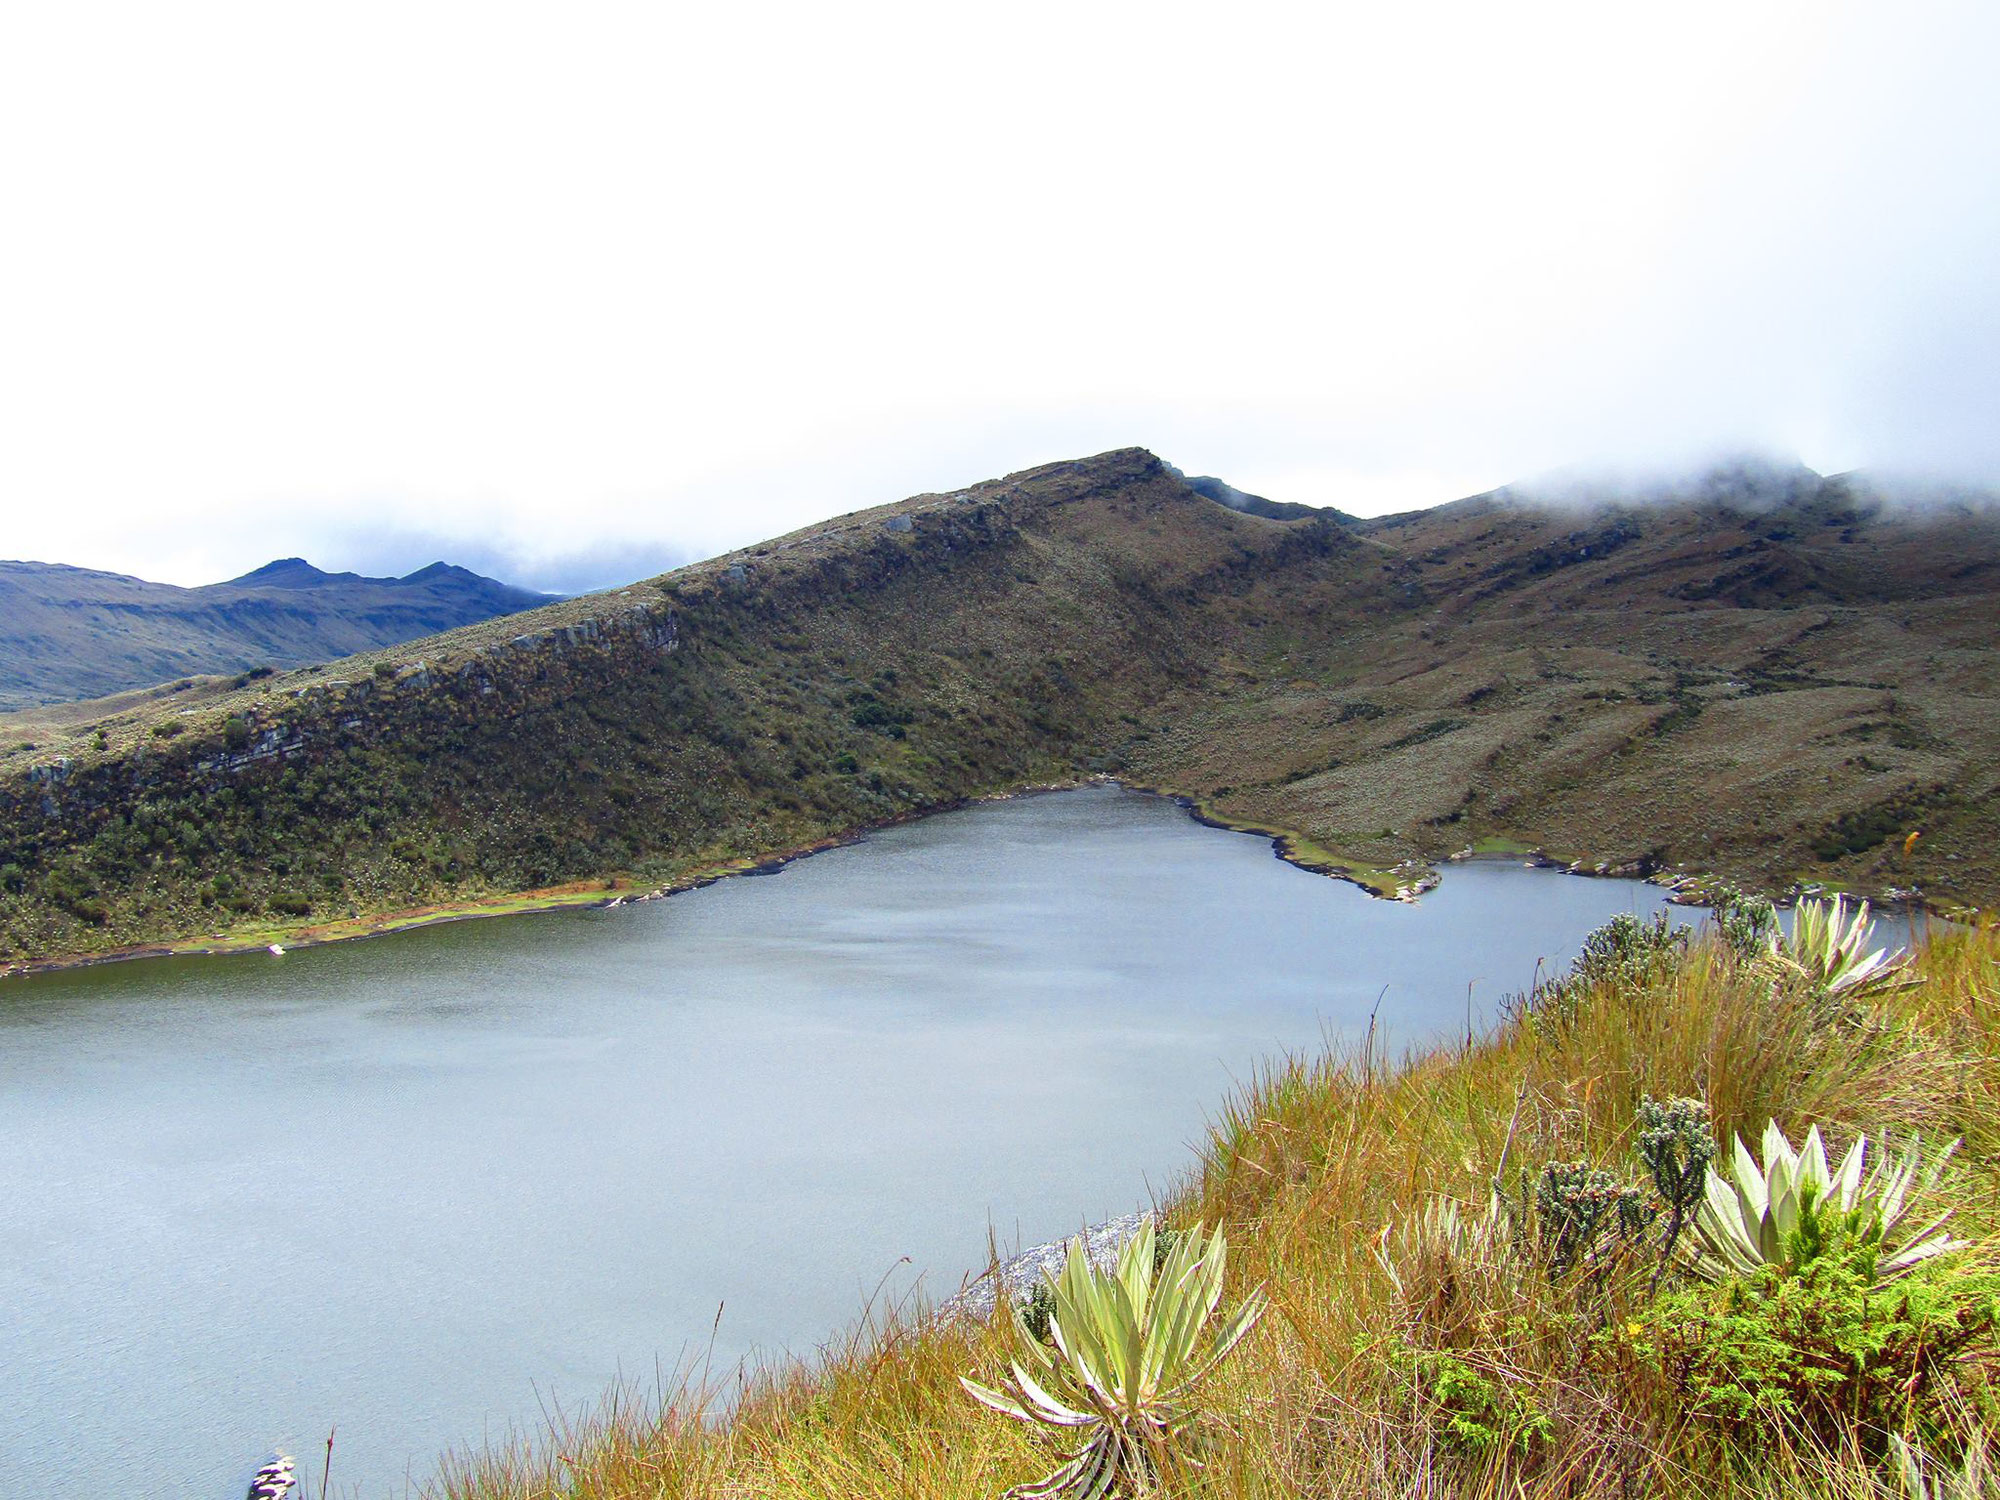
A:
(1020, 1273)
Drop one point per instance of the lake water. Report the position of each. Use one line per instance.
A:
(426, 1185)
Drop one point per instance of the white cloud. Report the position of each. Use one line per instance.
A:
(556, 282)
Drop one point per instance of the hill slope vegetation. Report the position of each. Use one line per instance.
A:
(1770, 675)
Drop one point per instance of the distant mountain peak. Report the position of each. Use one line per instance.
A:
(439, 569)
(70, 633)
(285, 572)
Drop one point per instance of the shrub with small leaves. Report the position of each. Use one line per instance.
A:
(1036, 1311)
(1748, 924)
(1676, 1146)
(1476, 1414)
(1585, 1216)
(1821, 1350)
(1625, 953)
(1626, 948)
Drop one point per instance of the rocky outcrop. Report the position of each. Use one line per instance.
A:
(1017, 1275)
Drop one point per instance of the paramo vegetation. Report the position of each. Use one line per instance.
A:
(1708, 1219)
(1765, 676)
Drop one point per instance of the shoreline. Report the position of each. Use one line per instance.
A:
(1405, 881)
(598, 893)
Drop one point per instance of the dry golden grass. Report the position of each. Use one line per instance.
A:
(1321, 1172)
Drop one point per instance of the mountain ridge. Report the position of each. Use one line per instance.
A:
(1651, 688)
(74, 633)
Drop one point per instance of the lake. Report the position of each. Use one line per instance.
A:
(428, 1185)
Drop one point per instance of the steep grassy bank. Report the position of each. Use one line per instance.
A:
(1777, 684)
(1406, 1356)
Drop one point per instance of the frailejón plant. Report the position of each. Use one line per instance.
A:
(1920, 1477)
(1129, 1350)
(1828, 947)
(1787, 1210)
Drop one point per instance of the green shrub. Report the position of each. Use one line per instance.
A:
(166, 729)
(1626, 949)
(1625, 953)
(1586, 1217)
(1676, 1147)
(1747, 924)
(1475, 1414)
(870, 712)
(1037, 1310)
(1820, 1350)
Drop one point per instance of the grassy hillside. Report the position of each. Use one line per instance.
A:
(1420, 1344)
(69, 633)
(1775, 681)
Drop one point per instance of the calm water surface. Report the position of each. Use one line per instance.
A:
(427, 1185)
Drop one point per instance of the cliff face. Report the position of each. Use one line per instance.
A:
(1673, 682)
(69, 633)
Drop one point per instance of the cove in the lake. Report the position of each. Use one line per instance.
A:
(425, 1185)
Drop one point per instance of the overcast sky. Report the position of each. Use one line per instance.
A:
(568, 293)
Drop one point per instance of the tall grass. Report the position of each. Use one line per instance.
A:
(1410, 1351)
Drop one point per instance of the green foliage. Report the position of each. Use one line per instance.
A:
(1859, 831)
(1795, 1207)
(1475, 1414)
(1625, 954)
(1627, 950)
(1586, 1217)
(166, 729)
(1435, 729)
(1748, 923)
(1676, 1147)
(1820, 1348)
(870, 712)
(384, 670)
(1128, 1353)
(1039, 1308)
